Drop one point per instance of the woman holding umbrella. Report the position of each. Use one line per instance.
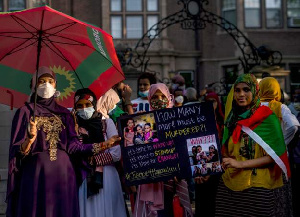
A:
(42, 179)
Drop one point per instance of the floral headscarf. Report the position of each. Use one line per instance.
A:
(233, 112)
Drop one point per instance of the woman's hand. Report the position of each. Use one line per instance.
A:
(127, 91)
(260, 162)
(201, 179)
(231, 163)
(30, 137)
(32, 131)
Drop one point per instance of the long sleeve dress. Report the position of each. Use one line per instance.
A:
(43, 183)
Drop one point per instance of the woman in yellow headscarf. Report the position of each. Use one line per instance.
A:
(270, 96)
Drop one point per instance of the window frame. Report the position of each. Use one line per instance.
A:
(144, 14)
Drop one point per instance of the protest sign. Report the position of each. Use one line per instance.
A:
(159, 145)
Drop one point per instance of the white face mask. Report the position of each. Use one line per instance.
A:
(144, 93)
(179, 99)
(86, 113)
(45, 90)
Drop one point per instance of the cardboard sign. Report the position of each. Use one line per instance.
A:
(160, 144)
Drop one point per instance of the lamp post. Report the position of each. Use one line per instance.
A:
(193, 8)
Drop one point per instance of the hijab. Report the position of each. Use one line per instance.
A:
(270, 92)
(107, 102)
(94, 124)
(234, 113)
(164, 89)
(44, 106)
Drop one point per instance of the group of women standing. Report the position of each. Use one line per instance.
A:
(63, 165)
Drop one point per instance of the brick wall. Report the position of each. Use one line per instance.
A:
(6, 116)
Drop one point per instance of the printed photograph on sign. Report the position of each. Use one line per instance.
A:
(139, 129)
(203, 155)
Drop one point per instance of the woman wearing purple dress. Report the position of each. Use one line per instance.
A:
(41, 178)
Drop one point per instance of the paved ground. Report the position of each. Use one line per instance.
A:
(129, 207)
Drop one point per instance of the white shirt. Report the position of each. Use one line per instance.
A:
(289, 123)
(140, 104)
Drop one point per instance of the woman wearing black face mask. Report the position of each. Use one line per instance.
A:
(41, 177)
(100, 193)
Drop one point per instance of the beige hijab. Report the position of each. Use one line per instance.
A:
(107, 102)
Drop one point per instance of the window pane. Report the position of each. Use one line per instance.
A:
(1, 5)
(16, 5)
(293, 3)
(152, 20)
(230, 16)
(273, 13)
(252, 13)
(273, 3)
(134, 26)
(252, 3)
(115, 5)
(229, 4)
(116, 26)
(152, 5)
(252, 18)
(133, 5)
(293, 8)
(229, 10)
(273, 18)
(38, 3)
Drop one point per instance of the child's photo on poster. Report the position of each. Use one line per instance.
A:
(203, 155)
(140, 129)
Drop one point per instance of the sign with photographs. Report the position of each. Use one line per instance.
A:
(161, 144)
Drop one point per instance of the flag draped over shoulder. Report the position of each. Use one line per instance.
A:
(264, 128)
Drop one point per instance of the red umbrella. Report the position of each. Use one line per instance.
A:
(80, 54)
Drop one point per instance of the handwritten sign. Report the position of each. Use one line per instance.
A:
(161, 144)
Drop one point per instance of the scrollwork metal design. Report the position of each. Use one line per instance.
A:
(250, 55)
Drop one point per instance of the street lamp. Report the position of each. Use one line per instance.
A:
(193, 8)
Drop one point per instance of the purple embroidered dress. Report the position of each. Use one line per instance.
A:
(43, 183)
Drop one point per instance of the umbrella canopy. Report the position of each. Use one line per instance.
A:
(80, 54)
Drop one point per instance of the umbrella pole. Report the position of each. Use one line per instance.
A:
(39, 48)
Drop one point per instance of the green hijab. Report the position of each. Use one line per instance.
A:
(236, 113)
